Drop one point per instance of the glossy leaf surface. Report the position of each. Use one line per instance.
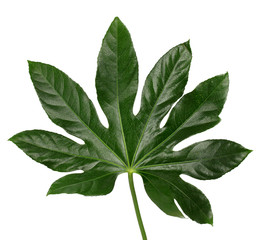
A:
(133, 143)
(58, 152)
(203, 160)
(164, 85)
(192, 201)
(116, 84)
(97, 181)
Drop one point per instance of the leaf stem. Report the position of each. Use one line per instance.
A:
(138, 215)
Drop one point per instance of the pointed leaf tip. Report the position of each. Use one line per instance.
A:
(29, 62)
(12, 139)
(117, 20)
(210, 221)
(187, 45)
(48, 193)
(226, 76)
(248, 151)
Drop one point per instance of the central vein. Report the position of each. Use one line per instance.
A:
(118, 105)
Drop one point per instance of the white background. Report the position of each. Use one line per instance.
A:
(225, 36)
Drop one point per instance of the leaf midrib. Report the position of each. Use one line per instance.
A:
(172, 134)
(203, 213)
(117, 97)
(75, 155)
(190, 161)
(83, 121)
(157, 189)
(149, 117)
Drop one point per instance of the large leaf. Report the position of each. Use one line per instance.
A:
(58, 152)
(133, 144)
(67, 105)
(194, 113)
(116, 84)
(163, 86)
(203, 160)
(197, 111)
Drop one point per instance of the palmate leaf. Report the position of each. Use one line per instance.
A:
(133, 143)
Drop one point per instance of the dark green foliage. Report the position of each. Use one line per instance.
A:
(133, 143)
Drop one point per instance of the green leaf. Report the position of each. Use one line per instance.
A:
(192, 201)
(68, 106)
(203, 160)
(97, 181)
(116, 84)
(164, 85)
(58, 152)
(196, 112)
(133, 143)
(160, 193)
